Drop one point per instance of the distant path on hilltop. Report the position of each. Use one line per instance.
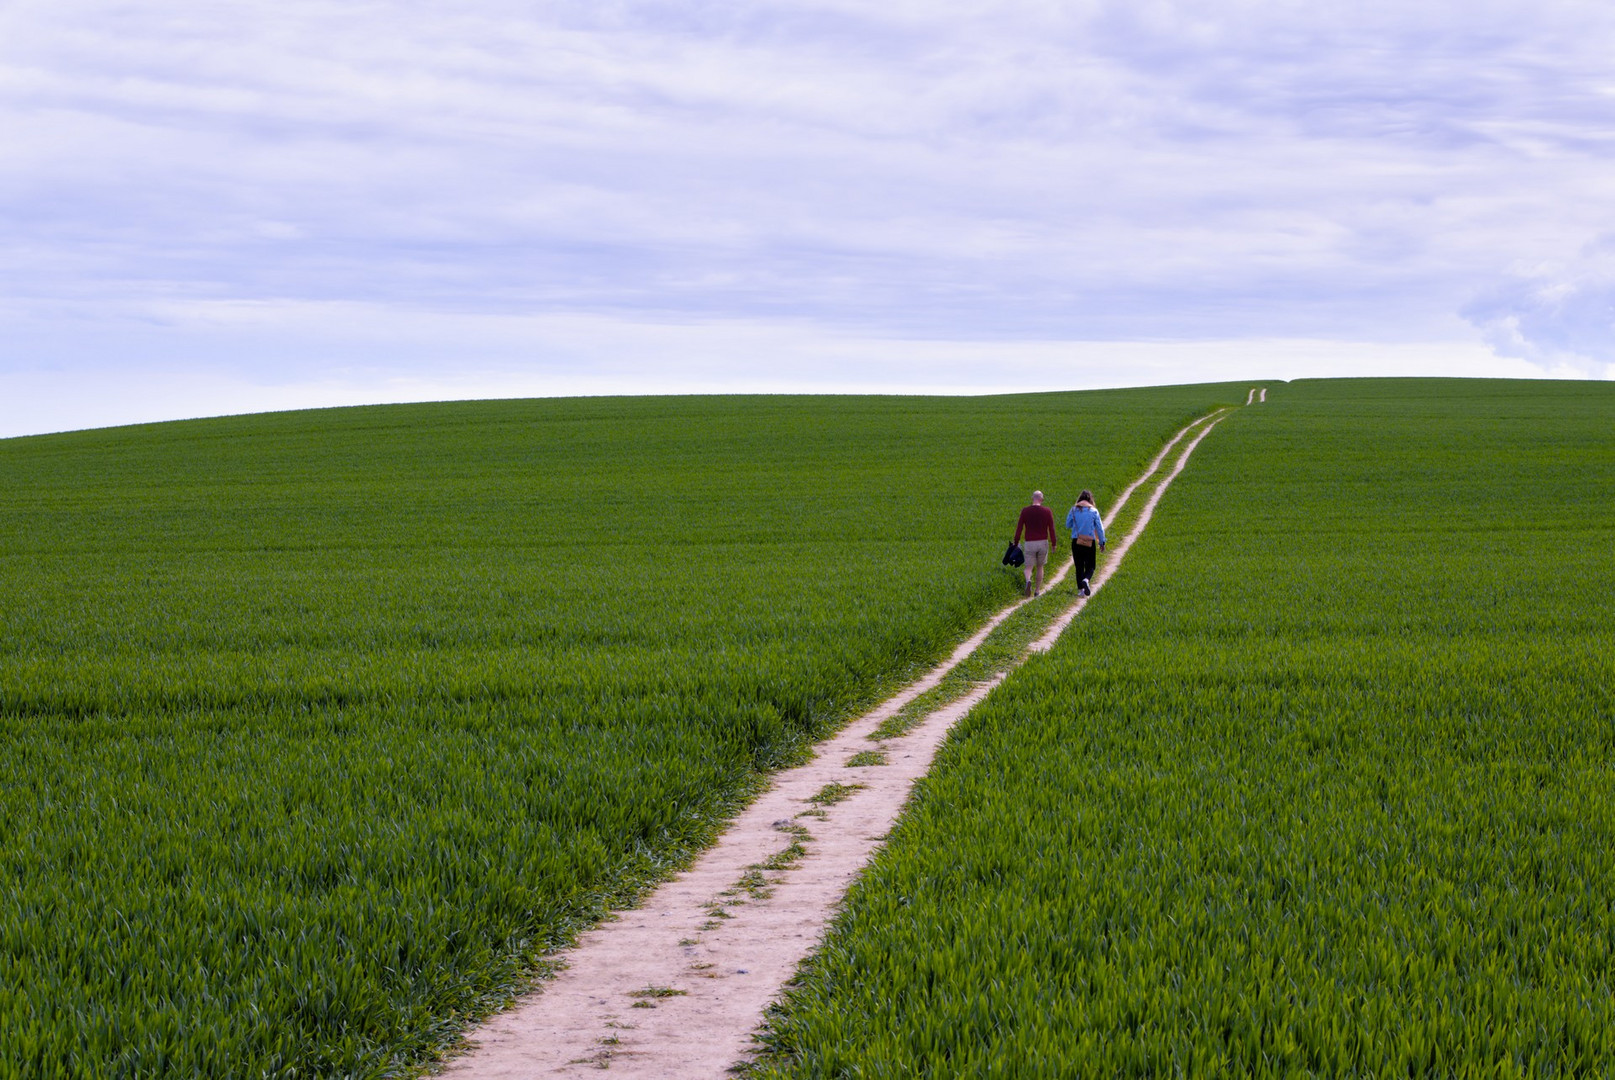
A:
(675, 988)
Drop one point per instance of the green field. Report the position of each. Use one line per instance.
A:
(320, 729)
(1322, 783)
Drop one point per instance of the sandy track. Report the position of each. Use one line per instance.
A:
(675, 987)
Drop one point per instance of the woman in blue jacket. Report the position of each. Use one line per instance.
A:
(1087, 539)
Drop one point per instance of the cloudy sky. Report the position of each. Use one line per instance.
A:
(212, 206)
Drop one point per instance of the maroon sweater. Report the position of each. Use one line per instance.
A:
(1038, 524)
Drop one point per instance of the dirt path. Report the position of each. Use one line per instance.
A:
(675, 987)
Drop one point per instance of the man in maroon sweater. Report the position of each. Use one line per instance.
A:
(1037, 522)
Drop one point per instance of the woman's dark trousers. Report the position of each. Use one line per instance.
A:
(1082, 558)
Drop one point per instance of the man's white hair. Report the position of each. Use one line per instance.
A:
(1037, 496)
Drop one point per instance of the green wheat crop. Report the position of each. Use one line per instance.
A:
(318, 731)
(1321, 784)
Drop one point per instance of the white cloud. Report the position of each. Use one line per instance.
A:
(354, 353)
(1559, 315)
(949, 170)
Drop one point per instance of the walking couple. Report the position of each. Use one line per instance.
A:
(1087, 540)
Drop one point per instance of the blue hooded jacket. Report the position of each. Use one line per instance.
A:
(1084, 521)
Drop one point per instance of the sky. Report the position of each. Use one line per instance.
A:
(224, 206)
